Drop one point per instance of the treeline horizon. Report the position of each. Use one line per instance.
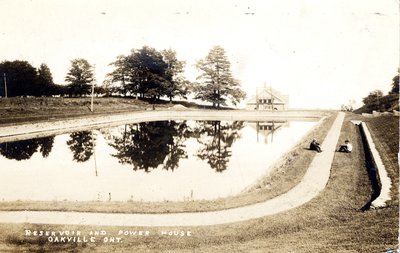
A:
(145, 73)
(378, 101)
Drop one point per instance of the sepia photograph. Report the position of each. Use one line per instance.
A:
(199, 126)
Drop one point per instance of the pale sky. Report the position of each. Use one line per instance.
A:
(320, 53)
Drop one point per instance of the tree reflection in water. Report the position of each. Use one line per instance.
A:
(23, 150)
(148, 145)
(45, 145)
(180, 133)
(217, 139)
(82, 145)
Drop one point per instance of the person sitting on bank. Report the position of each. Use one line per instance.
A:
(346, 147)
(314, 145)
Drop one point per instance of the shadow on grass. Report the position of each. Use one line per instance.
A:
(371, 169)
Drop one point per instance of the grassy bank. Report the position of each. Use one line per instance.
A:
(30, 109)
(330, 222)
(21, 109)
(385, 133)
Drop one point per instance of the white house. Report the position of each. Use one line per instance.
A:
(267, 98)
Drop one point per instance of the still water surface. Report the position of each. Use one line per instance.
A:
(149, 161)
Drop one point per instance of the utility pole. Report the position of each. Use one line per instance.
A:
(5, 84)
(91, 100)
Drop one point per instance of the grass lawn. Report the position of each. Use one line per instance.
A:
(385, 133)
(331, 222)
(29, 109)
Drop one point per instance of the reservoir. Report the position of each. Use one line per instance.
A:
(148, 161)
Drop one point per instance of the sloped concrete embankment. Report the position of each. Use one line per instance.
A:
(47, 128)
(380, 181)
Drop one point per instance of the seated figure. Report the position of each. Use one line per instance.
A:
(346, 147)
(314, 145)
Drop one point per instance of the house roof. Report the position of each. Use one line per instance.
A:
(266, 93)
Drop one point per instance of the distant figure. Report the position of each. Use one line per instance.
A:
(346, 147)
(314, 145)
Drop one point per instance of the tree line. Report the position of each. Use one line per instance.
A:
(20, 78)
(149, 73)
(376, 97)
(145, 73)
(377, 101)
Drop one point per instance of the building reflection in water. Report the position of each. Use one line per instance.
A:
(267, 129)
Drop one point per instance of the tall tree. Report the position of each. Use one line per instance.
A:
(217, 84)
(80, 77)
(45, 80)
(175, 83)
(143, 71)
(146, 71)
(119, 76)
(20, 78)
(373, 97)
(150, 73)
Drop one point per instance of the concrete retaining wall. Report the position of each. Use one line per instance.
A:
(378, 171)
(26, 131)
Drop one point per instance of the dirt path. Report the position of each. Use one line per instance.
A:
(311, 185)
